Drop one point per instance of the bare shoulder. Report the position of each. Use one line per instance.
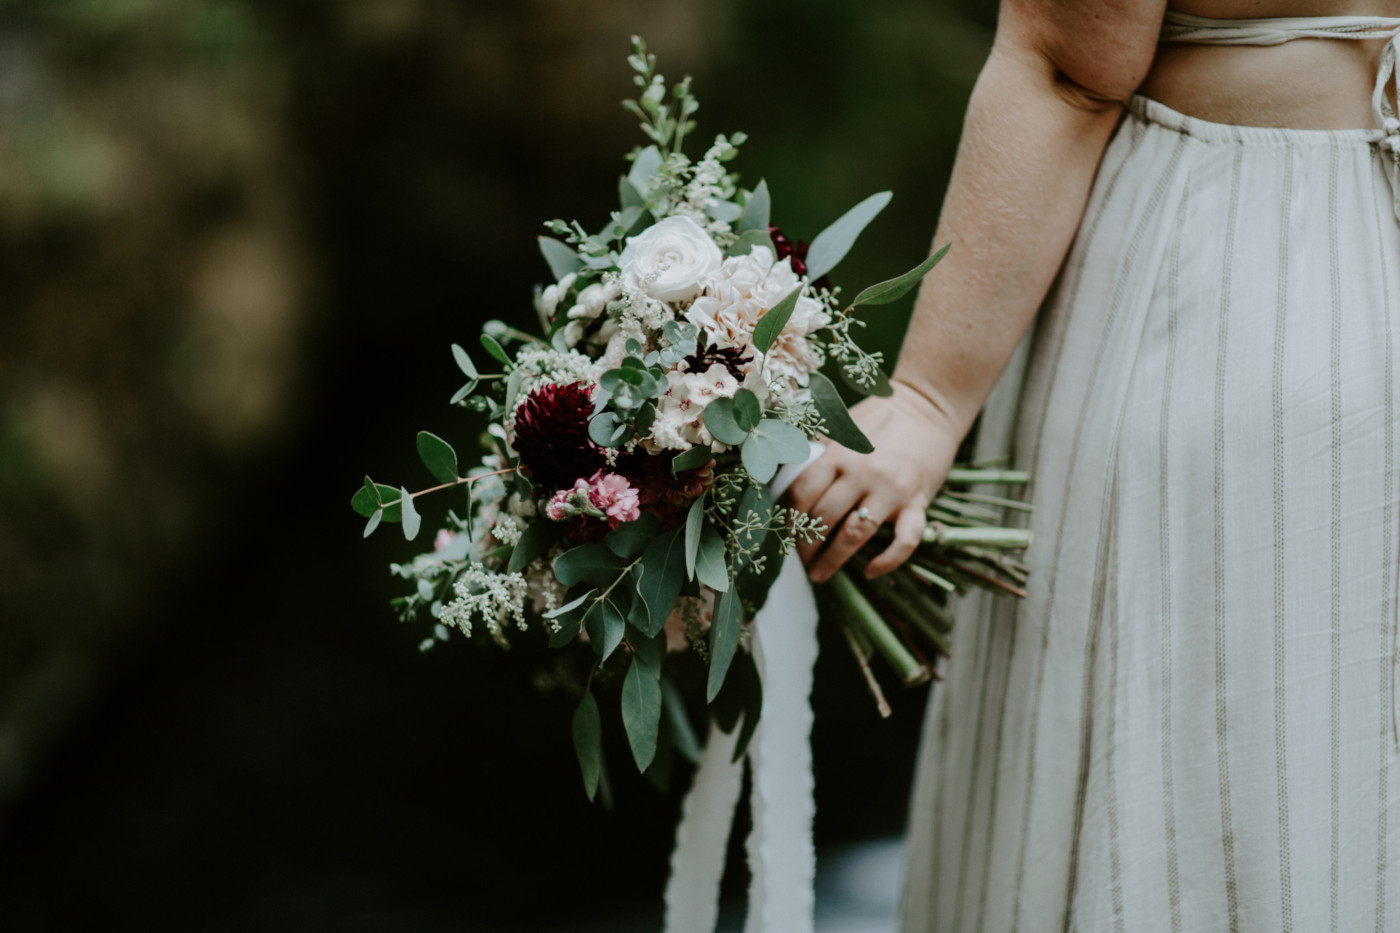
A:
(1100, 48)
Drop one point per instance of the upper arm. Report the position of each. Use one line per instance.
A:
(1096, 51)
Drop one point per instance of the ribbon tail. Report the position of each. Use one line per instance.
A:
(782, 857)
(702, 838)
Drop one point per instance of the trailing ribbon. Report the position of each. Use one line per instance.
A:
(781, 855)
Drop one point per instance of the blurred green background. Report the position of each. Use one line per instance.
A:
(237, 238)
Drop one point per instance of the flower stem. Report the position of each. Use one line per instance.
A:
(863, 614)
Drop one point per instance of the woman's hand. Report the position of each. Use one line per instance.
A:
(914, 446)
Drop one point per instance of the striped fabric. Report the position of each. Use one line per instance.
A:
(1189, 724)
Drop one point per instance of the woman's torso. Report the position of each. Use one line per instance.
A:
(1306, 83)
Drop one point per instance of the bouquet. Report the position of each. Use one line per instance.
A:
(623, 498)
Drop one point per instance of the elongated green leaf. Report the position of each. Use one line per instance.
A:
(493, 347)
(694, 524)
(593, 563)
(755, 216)
(896, 288)
(373, 522)
(411, 520)
(774, 320)
(588, 741)
(710, 567)
(644, 165)
(562, 260)
(438, 456)
(682, 732)
(663, 575)
(719, 418)
(535, 540)
(692, 459)
(747, 410)
(747, 241)
(724, 638)
(641, 713)
(631, 538)
(832, 244)
(744, 675)
(649, 650)
(839, 426)
(570, 606)
(606, 623)
(366, 503)
(462, 393)
(628, 195)
(726, 211)
(464, 362)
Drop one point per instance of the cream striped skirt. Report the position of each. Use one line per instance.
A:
(1189, 724)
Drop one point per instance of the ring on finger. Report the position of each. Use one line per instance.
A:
(863, 513)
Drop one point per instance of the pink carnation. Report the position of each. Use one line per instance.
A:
(614, 497)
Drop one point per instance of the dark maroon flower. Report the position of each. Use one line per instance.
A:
(551, 436)
(666, 495)
(731, 358)
(794, 250)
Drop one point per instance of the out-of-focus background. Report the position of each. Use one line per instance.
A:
(237, 238)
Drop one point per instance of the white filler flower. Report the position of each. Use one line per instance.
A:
(670, 260)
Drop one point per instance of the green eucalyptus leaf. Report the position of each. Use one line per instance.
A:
(588, 741)
(562, 260)
(790, 444)
(694, 525)
(411, 521)
(725, 211)
(644, 166)
(593, 563)
(747, 240)
(832, 244)
(663, 575)
(537, 538)
(719, 418)
(605, 430)
(747, 410)
(493, 347)
(641, 713)
(628, 195)
(760, 458)
(367, 502)
(710, 566)
(462, 393)
(692, 459)
(755, 216)
(373, 522)
(606, 623)
(464, 362)
(569, 626)
(649, 650)
(682, 732)
(631, 538)
(724, 638)
(896, 288)
(774, 320)
(570, 606)
(839, 425)
(438, 456)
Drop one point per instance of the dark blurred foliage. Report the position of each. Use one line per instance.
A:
(236, 240)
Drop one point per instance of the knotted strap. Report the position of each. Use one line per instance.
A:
(1202, 30)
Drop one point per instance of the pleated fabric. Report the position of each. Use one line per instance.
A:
(1189, 725)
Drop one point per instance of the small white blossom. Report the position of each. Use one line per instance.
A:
(497, 598)
(507, 530)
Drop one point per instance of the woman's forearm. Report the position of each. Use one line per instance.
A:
(1030, 147)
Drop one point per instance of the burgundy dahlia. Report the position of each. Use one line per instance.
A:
(551, 436)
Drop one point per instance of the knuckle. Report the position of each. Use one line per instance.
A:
(852, 531)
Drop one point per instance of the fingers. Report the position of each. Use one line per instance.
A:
(908, 532)
(836, 500)
(809, 485)
(847, 538)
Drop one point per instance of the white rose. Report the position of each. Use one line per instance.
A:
(670, 260)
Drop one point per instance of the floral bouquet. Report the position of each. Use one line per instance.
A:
(623, 500)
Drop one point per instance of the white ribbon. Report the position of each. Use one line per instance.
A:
(782, 858)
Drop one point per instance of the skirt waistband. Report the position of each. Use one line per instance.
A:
(1152, 111)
